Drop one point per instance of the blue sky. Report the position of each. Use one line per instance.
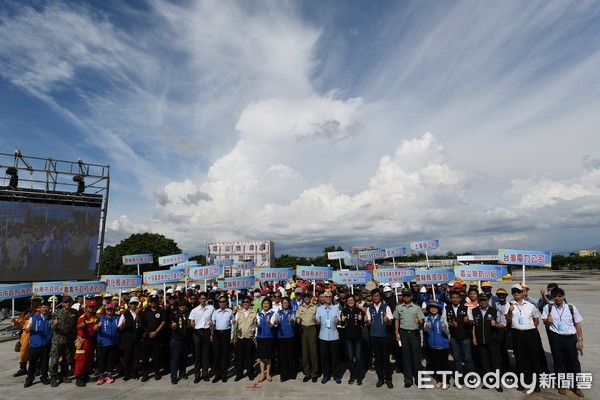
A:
(318, 123)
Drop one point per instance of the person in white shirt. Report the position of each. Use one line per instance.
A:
(200, 319)
(565, 336)
(524, 318)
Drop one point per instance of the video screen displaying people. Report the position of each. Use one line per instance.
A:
(40, 242)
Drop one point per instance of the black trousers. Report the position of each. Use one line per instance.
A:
(489, 357)
(152, 348)
(201, 339)
(288, 365)
(178, 355)
(131, 352)
(244, 357)
(526, 350)
(381, 350)
(564, 353)
(41, 356)
(222, 347)
(411, 354)
(438, 361)
(330, 358)
(108, 357)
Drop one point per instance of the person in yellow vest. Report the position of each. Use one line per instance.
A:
(20, 323)
(106, 298)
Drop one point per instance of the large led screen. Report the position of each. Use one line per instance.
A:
(42, 242)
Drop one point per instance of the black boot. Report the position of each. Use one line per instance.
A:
(22, 370)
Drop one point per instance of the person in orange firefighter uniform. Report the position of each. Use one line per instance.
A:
(84, 355)
(20, 323)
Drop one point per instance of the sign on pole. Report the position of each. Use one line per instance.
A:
(394, 275)
(352, 277)
(121, 281)
(207, 272)
(487, 257)
(395, 252)
(273, 274)
(480, 272)
(238, 283)
(48, 288)
(16, 291)
(226, 262)
(83, 288)
(314, 273)
(243, 264)
(535, 258)
(338, 255)
(135, 259)
(424, 245)
(163, 276)
(172, 259)
(428, 276)
(371, 255)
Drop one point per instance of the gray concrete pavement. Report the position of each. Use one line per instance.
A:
(581, 288)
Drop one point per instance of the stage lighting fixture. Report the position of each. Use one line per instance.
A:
(80, 183)
(14, 177)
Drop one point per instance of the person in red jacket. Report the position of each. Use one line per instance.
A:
(84, 355)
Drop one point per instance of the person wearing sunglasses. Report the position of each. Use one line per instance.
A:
(523, 317)
(221, 337)
(565, 336)
(245, 330)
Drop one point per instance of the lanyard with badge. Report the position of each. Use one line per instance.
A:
(561, 325)
(521, 318)
(327, 321)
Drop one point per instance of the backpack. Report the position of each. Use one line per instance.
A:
(570, 310)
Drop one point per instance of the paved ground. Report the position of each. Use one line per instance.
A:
(580, 288)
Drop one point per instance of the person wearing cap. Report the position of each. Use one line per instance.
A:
(106, 298)
(200, 318)
(39, 327)
(505, 336)
(408, 322)
(438, 344)
(298, 298)
(154, 320)
(64, 321)
(524, 318)
(459, 327)
(487, 325)
(565, 337)
(130, 325)
(245, 331)
(379, 318)
(84, 355)
(21, 323)
(305, 318)
(109, 337)
(327, 318)
(181, 333)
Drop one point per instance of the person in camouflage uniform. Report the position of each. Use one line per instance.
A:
(63, 324)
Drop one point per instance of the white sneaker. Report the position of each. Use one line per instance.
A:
(438, 385)
(445, 386)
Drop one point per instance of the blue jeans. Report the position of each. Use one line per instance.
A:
(461, 353)
(354, 355)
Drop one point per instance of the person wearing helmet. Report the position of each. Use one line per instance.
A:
(506, 338)
(486, 288)
(84, 355)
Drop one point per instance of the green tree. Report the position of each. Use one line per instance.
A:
(199, 258)
(139, 243)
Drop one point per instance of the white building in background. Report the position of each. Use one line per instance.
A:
(262, 252)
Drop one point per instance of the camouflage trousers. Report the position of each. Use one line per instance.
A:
(60, 353)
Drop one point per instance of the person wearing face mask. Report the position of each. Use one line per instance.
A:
(506, 336)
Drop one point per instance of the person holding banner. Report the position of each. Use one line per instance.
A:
(64, 322)
(245, 331)
(266, 320)
(305, 318)
(39, 327)
(379, 319)
(327, 318)
(84, 353)
(21, 323)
